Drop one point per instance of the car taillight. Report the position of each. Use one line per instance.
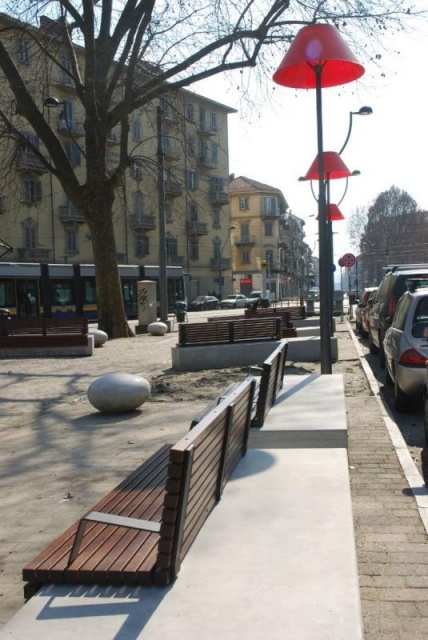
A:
(413, 358)
(392, 303)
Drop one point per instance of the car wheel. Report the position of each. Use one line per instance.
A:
(381, 355)
(388, 380)
(372, 347)
(426, 420)
(401, 399)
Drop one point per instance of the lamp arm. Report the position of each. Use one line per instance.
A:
(348, 134)
(344, 193)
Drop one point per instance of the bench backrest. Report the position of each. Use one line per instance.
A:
(43, 326)
(200, 465)
(289, 313)
(271, 382)
(229, 331)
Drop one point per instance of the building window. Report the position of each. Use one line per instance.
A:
(171, 245)
(168, 212)
(214, 152)
(269, 205)
(202, 118)
(71, 239)
(138, 203)
(142, 246)
(194, 248)
(217, 248)
(244, 204)
(268, 229)
(213, 121)
(216, 219)
(193, 212)
(192, 180)
(245, 257)
(191, 144)
(66, 120)
(73, 153)
(66, 73)
(245, 231)
(269, 259)
(31, 191)
(29, 234)
(23, 50)
(190, 111)
(137, 134)
(136, 171)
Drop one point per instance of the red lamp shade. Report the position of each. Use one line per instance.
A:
(333, 213)
(318, 45)
(334, 167)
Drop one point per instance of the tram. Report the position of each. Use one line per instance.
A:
(31, 289)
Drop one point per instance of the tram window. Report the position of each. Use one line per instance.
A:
(62, 292)
(7, 294)
(90, 294)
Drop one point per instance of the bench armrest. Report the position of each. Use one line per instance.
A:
(108, 518)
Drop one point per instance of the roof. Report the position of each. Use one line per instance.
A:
(237, 185)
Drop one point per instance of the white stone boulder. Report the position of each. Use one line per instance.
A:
(118, 392)
(157, 328)
(100, 337)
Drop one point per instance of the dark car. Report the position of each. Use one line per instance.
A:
(361, 311)
(204, 303)
(396, 281)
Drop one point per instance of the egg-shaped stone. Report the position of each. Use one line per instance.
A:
(157, 328)
(100, 337)
(118, 392)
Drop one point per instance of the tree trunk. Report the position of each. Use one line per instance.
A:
(111, 312)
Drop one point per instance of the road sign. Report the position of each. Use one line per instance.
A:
(349, 260)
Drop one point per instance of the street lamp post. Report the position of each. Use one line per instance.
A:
(220, 257)
(317, 58)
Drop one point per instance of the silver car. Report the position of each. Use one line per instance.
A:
(406, 348)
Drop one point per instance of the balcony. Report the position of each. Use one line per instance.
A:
(67, 213)
(140, 221)
(215, 265)
(112, 138)
(70, 128)
(248, 241)
(172, 188)
(197, 228)
(28, 161)
(64, 79)
(218, 197)
(171, 151)
(175, 261)
(35, 255)
(269, 213)
(204, 130)
(206, 162)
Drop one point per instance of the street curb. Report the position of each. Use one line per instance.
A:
(413, 477)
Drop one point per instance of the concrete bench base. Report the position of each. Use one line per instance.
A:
(306, 349)
(50, 352)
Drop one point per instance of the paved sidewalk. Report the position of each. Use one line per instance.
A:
(49, 456)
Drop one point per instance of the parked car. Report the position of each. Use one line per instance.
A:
(257, 298)
(234, 301)
(425, 401)
(361, 310)
(314, 293)
(204, 303)
(394, 283)
(406, 348)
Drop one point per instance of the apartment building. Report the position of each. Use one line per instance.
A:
(268, 248)
(39, 223)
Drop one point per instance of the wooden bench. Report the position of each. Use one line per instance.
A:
(291, 313)
(287, 331)
(229, 331)
(271, 381)
(17, 333)
(140, 532)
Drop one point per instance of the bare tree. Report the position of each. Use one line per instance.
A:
(395, 232)
(121, 56)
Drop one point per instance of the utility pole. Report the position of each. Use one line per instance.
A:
(163, 278)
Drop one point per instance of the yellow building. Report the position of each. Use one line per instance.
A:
(269, 252)
(37, 219)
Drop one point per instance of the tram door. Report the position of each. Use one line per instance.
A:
(28, 298)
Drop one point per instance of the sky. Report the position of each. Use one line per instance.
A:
(277, 142)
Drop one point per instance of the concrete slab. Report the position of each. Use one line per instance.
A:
(260, 569)
(309, 412)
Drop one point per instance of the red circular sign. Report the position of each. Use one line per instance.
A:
(348, 260)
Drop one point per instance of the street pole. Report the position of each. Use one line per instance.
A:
(163, 278)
